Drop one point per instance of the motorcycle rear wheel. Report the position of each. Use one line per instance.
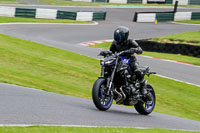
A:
(99, 95)
(146, 109)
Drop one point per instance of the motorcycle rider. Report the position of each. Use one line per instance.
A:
(127, 48)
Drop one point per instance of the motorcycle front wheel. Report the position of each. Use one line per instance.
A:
(146, 109)
(99, 95)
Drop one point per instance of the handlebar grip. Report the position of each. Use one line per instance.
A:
(152, 73)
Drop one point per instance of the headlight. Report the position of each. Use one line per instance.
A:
(108, 62)
(105, 62)
(102, 63)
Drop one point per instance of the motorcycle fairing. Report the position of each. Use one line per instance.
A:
(125, 60)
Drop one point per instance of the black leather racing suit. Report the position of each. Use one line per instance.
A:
(126, 46)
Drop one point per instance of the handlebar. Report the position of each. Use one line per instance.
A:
(149, 73)
(130, 51)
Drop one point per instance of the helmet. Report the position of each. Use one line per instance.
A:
(121, 34)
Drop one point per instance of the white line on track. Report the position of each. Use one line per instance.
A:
(177, 80)
(93, 23)
(27, 125)
(182, 63)
(45, 125)
(52, 6)
(185, 23)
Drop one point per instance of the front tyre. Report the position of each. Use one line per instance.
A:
(99, 95)
(144, 108)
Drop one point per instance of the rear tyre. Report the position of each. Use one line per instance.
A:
(99, 95)
(146, 109)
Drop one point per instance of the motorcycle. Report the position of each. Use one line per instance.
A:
(117, 81)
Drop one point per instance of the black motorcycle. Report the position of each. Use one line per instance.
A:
(119, 82)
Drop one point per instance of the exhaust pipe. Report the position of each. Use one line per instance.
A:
(121, 96)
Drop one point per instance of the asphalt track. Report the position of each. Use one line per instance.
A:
(20, 105)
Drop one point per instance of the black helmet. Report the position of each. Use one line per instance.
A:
(121, 34)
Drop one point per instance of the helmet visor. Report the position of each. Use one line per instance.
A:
(117, 37)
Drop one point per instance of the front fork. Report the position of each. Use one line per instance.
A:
(102, 71)
(110, 81)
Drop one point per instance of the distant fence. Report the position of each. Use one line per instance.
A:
(183, 49)
(165, 16)
(51, 14)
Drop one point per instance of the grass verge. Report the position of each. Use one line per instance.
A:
(33, 65)
(189, 21)
(37, 66)
(185, 37)
(48, 129)
(10, 2)
(32, 20)
(176, 57)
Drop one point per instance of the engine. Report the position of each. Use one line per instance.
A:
(128, 94)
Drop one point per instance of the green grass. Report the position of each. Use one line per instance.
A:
(48, 129)
(190, 6)
(30, 64)
(176, 98)
(10, 2)
(186, 37)
(190, 21)
(176, 57)
(38, 66)
(32, 20)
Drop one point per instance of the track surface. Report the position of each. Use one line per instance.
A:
(20, 105)
(29, 106)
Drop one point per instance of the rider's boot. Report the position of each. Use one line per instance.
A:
(144, 91)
